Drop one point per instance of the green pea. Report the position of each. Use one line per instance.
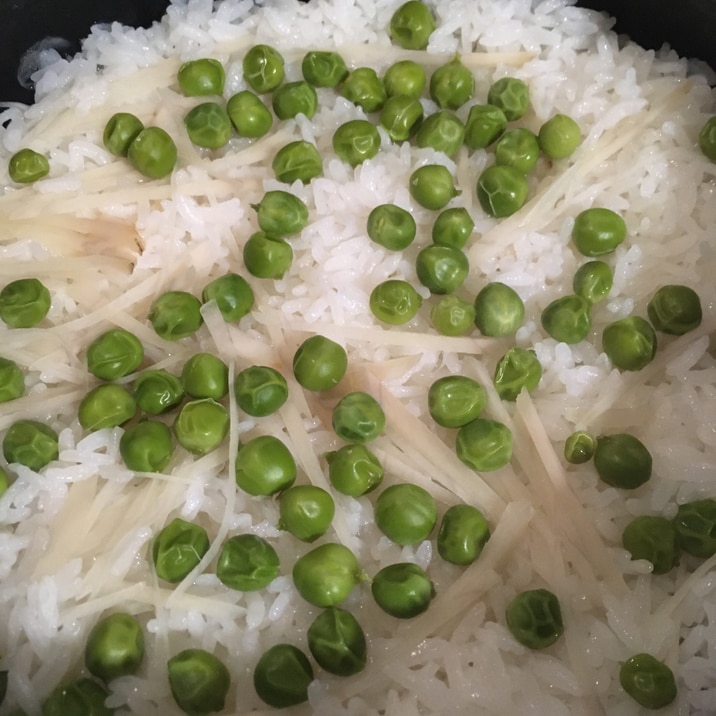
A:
(695, 525)
(401, 116)
(484, 125)
(233, 295)
(266, 257)
(453, 227)
(175, 315)
(199, 681)
(208, 125)
(114, 354)
(306, 512)
(157, 391)
(443, 131)
(502, 190)
(281, 214)
(534, 618)
(462, 535)
(4, 484)
(519, 369)
(452, 84)
(358, 417)
(201, 425)
(707, 139)
(648, 681)
(579, 447)
(499, 311)
(120, 131)
(354, 470)
(630, 343)
(675, 309)
(264, 466)
(323, 68)
(24, 303)
(621, 460)
(249, 116)
(27, 166)
(282, 676)
(153, 153)
(294, 98)
(205, 376)
(337, 642)
(391, 226)
(405, 513)
(178, 549)
(484, 445)
(455, 400)
(106, 406)
(402, 590)
(432, 186)
(12, 380)
(364, 88)
(326, 575)
(83, 697)
(405, 77)
(598, 231)
(260, 390)
(115, 647)
(247, 563)
(355, 141)
(559, 136)
(593, 281)
(297, 161)
(517, 148)
(511, 95)
(652, 538)
(264, 68)
(30, 443)
(452, 316)
(411, 25)
(395, 302)
(146, 446)
(567, 319)
(319, 363)
(202, 77)
(441, 269)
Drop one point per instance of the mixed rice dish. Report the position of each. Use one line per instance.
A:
(427, 290)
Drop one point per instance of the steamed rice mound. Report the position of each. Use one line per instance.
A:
(75, 537)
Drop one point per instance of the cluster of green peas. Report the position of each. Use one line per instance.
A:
(502, 189)
(623, 461)
(24, 303)
(264, 466)
(630, 342)
(405, 513)
(498, 310)
(324, 576)
(199, 681)
(146, 445)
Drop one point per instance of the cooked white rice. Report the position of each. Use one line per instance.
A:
(74, 538)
